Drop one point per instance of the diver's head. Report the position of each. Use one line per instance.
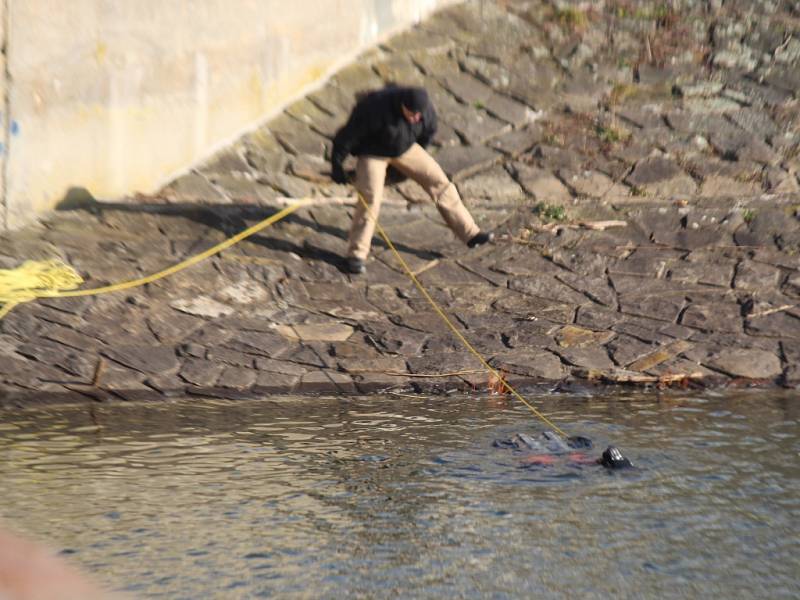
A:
(612, 459)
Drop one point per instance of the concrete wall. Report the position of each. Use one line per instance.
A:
(118, 95)
(3, 115)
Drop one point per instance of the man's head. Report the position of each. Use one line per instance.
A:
(412, 103)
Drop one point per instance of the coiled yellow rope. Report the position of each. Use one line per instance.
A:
(33, 279)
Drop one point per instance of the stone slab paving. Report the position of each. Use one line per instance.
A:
(557, 119)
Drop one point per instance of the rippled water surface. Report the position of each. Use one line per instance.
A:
(407, 497)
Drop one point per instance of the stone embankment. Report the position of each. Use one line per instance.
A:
(639, 162)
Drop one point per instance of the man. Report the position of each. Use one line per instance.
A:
(392, 126)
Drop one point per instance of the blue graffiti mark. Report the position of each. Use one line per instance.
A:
(2, 148)
(14, 129)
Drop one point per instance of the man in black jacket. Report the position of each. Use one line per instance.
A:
(392, 126)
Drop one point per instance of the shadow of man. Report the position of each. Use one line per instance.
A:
(231, 219)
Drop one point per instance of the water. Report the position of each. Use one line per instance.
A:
(407, 497)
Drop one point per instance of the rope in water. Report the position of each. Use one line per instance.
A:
(497, 375)
(54, 279)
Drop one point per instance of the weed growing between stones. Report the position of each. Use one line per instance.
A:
(572, 18)
(611, 134)
(549, 212)
(660, 12)
(749, 177)
(793, 152)
(622, 92)
(554, 139)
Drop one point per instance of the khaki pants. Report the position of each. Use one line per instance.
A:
(420, 166)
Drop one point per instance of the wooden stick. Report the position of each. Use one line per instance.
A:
(602, 225)
(320, 201)
(453, 374)
(430, 264)
(771, 311)
(98, 371)
(330, 201)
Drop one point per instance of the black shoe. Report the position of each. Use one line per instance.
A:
(482, 237)
(355, 265)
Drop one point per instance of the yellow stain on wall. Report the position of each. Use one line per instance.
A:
(269, 95)
(101, 52)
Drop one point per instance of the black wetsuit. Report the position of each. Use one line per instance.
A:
(547, 442)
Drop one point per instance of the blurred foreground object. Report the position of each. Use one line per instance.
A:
(30, 571)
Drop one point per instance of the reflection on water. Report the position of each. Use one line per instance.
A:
(378, 497)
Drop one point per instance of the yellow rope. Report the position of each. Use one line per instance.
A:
(54, 279)
(33, 279)
(500, 379)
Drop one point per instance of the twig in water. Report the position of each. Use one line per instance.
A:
(453, 374)
(405, 395)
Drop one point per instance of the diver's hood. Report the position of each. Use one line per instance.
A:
(612, 458)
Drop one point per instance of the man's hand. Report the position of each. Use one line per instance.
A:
(338, 174)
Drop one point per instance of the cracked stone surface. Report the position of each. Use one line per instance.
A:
(688, 138)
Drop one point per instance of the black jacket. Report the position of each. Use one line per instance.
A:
(376, 127)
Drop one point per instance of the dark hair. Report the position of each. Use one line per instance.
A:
(415, 99)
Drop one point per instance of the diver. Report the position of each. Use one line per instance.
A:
(545, 447)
